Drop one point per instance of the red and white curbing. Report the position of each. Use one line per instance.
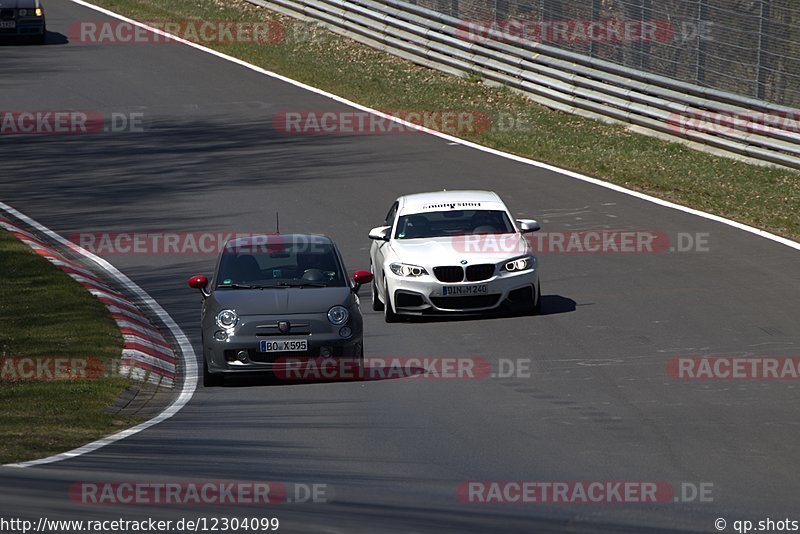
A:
(146, 355)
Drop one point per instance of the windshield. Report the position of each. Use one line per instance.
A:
(452, 223)
(301, 265)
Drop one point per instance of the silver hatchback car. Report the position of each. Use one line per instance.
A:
(274, 299)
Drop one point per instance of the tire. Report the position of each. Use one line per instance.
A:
(41, 39)
(377, 305)
(211, 380)
(360, 362)
(388, 313)
(534, 306)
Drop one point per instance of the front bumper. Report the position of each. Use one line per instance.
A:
(425, 294)
(24, 28)
(323, 340)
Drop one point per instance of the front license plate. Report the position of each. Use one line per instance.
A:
(284, 345)
(455, 291)
(8, 24)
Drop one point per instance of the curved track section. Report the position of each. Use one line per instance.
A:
(599, 404)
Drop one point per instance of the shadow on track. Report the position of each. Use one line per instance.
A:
(551, 305)
(555, 304)
(51, 38)
(176, 156)
(370, 374)
(55, 38)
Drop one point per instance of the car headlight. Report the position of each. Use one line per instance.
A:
(39, 12)
(403, 269)
(227, 319)
(519, 264)
(338, 315)
(23, 12)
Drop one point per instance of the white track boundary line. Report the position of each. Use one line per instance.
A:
(588, 179)
(187, 352)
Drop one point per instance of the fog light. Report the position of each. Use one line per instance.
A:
(221, 335)
(324, 352)
(345, 331)
(241, 355)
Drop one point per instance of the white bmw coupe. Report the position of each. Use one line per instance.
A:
(451, 252)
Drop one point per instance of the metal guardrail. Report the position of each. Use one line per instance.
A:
(564, 80)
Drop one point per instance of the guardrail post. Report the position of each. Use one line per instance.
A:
(500, 10)
(645, 46)
(454, 8)
(553, 10)
(635, 50)
(595, 17)
(763, 42)
(702, 14)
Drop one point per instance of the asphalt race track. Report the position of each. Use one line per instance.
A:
(598, 405)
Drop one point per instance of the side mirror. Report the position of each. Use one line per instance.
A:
(527, 226)
(360, 278)
(199, 282)
(380, 233)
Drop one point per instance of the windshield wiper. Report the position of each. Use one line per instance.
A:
(303, 284)
(243, 286)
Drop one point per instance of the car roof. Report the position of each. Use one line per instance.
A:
(438, 200)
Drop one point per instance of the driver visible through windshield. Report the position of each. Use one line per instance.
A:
(295, 265)
(452, 223)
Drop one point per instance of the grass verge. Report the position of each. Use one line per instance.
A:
(764, 197)
(45, 314)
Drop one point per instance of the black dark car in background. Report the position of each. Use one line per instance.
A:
(22, 20)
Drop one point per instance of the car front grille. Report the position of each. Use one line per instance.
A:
(449, 273)
(477, 273)
(465, 303)
(6, 14)
(271, 357)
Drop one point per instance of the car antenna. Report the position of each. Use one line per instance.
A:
(277, 223)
